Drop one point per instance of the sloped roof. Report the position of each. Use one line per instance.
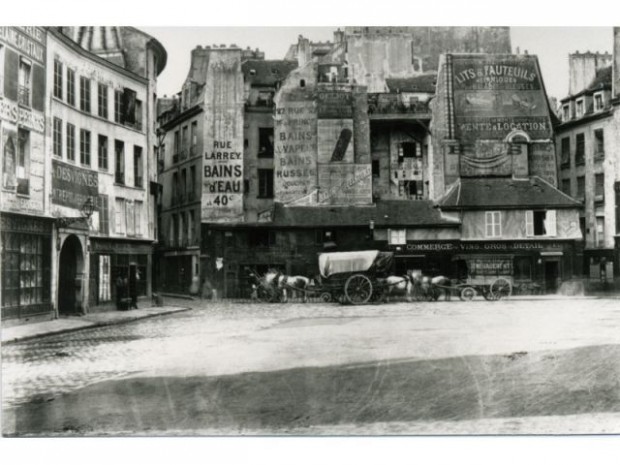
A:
(411, 213)
(602, 79)
(478, 193)
(267, 72)
(323, 215)
(422, 83)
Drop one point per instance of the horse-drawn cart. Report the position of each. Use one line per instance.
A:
(489, 276)
(354, 277)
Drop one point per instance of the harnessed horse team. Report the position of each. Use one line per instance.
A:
(412, 287)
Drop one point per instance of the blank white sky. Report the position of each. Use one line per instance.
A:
(551, 44)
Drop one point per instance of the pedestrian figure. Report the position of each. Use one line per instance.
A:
(133, 290)
(119, 293)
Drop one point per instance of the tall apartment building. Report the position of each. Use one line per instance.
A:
(586, 144)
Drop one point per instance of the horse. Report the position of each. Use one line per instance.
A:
(431, 288)
(397, 286)
(282, 282)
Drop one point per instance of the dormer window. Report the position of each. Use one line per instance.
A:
(566, 112)
(579, 105)
(598, 101)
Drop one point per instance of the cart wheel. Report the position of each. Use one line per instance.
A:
(264, 294)
(468, 293)
(326, 297)
(358, 289)
(500, 288)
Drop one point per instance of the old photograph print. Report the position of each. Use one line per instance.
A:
(343, 231)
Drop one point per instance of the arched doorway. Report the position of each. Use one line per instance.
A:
(70, 270)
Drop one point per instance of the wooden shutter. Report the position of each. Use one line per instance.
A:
(11, 67)
(38, 88)
(488, 224)
(551, 223)
(529, 223)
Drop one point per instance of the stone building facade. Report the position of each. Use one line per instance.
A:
(26, 223)
(91, 171)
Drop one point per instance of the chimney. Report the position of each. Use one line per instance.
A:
(582, 68)
(616, 63)
(304, 52)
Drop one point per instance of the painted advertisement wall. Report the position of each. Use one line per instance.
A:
(295, 148)
(222, 192)
(22, 118)
(494, 96)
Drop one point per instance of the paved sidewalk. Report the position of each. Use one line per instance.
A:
(62, 325)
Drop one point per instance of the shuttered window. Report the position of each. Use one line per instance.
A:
(493, 226)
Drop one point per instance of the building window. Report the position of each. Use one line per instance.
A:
(265, 183)
(70, 87)
(566, 186)
(85, 147)
(70, 142)
(581, 187)
(138, 117)
(493, 224)
(397, 236)
(1, 70)
(138, 207)
(183, 183)
(177, 146)
(173, 230)
(598, 101)
(58, 79)
(103, 152)
(599, 143)
(131, 217)
(540, 223)
(138, 169)
(190, 227)
(23, 162)
(376, 169)
(119, 162)
(566, 112)
(24, 90)
(175, 187)
(194, 138)
(192, 183)
(102, 100)
(84, 94)
(104, 215)
(411, 189)
(118, 107)
(25, 269)
(579, 108)
(57, 137)
(580, 150)
(184, 142)
(565, 154)
(119, 216)
(265, 142)
(600, 231)
(599, 186)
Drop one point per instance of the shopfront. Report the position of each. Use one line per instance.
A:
(543, 264)
(26, 266)
(111, 259)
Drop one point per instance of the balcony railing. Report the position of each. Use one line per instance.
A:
(182, 154)
(193, 151)
(23, 186)
(175, 158)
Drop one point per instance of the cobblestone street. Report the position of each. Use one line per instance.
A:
(334, 365)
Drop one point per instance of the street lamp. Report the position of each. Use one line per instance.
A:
(87, 210)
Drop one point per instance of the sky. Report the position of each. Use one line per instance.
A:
(551, 44)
